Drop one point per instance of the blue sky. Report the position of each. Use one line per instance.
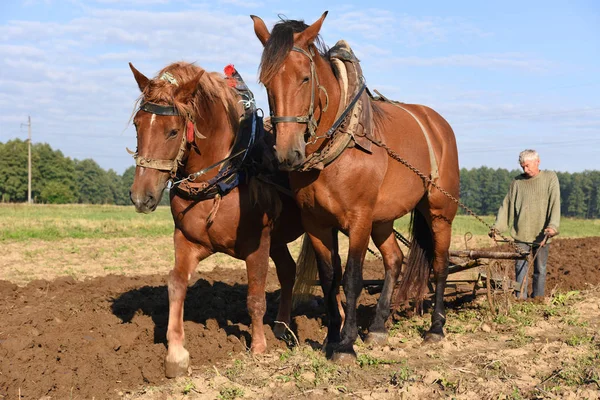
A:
(506, 75)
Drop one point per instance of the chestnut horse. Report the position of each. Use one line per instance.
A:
(191, 122)
(363, 190)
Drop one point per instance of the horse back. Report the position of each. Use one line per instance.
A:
(425, 140)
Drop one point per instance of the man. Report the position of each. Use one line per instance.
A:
(531, 210)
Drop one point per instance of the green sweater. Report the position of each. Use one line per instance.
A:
(531, 205)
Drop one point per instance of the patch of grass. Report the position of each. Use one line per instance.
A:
(402, 375)
(235, 371)
(578, 340)
(446, 384)
(322, 368)
(188, 387)
(520, 339)
(283, 357)
(574, 321)
(414, 327)
(365, 360)
(230, 393)
(584, 370)
(22, 222)
(561, 299)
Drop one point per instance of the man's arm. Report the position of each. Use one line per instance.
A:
(501, 223)
(553, 207)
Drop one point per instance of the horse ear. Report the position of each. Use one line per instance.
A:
(140, 78)
(309, 34)
(262, 33)
(188, 89)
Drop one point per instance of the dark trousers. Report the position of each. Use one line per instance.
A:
(539, 270)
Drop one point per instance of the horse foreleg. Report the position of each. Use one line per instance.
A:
(257, 265)
(359, 234)
(384, 239)
(187, 256)
(442, 235)
(286, 273)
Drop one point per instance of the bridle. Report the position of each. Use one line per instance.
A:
(170, 166)
(308, 119)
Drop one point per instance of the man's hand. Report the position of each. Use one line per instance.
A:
(550, 232)
(493, 233)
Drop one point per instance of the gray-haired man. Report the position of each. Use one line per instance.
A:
(531, 209)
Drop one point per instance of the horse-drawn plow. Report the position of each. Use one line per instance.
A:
(491, 276)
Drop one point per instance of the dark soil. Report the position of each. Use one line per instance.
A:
(105, 336)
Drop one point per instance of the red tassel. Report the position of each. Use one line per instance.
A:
(229, 70)
(190, 132)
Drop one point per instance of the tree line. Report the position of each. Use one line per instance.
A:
(483, 189)
(58, 179)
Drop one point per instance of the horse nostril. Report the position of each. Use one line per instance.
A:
(298, 156)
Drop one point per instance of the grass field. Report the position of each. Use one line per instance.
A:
(56, 222)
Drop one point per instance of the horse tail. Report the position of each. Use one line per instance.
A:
(420, 257)
(306, 272)
(266, 197)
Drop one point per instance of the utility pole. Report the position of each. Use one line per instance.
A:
(28, 159)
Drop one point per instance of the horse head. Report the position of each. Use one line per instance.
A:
(164, 131)
(291, 58)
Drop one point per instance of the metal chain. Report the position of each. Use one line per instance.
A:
(428, 180)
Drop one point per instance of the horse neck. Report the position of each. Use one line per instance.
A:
(220, 136)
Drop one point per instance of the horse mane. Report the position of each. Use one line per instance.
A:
(212, 89)
(280, 43)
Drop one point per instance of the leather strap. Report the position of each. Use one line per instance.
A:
(158, 109)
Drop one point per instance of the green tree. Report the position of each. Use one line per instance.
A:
(577, 200)
(94, 185)
(13, 171)
(55, 170)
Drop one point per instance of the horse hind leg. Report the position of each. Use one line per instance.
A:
(286, 273)
(384, 239)
(177, 361)
(442, 235)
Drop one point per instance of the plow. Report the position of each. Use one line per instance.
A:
(489, 279)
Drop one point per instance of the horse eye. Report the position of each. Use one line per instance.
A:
(173, 133)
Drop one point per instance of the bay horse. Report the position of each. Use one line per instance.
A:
(363, 190)
(190, 122)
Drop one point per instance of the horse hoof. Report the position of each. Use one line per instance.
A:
(279, 330)
(431, 338)
(376, 338)
(344, 358)
(258, 346)
(177, 367)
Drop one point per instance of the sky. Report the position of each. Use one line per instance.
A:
(507, 75)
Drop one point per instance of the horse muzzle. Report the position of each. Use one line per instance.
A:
(145, 202)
